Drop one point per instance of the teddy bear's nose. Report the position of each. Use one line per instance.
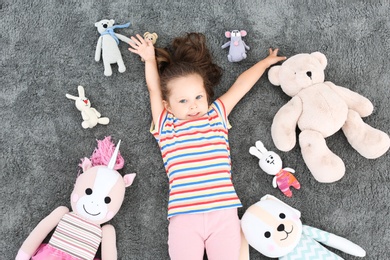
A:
(308, 74)
(104, 25)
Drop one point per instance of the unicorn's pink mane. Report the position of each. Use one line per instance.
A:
(102, 155)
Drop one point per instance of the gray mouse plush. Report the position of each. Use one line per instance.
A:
(238, 48)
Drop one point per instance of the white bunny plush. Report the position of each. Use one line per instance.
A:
(108, 45)
(91, 117)
(271, 163)
(274, 229)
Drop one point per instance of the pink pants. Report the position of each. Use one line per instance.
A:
(218, 232)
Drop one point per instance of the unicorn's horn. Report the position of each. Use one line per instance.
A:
(112, 162)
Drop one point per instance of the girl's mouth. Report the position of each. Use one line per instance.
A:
(194, 115)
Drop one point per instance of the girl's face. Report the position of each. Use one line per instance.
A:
(188, 98)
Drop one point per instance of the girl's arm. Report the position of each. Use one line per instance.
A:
(247, 80)
(145, 49)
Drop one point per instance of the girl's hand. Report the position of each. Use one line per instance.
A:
(273, 57)
(144, 48)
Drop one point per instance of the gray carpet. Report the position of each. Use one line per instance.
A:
(47, 49)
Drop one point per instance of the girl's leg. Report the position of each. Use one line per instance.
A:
(186, 237)
(224, 239)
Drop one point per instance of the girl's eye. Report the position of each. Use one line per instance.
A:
(199, 97)
(183, 101)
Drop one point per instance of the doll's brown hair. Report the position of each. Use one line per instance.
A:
(188, 55)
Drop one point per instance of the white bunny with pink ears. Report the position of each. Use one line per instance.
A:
(91, 117)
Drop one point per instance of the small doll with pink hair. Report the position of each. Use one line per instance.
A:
(96, 198)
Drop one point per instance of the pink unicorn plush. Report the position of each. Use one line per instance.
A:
(97, 196)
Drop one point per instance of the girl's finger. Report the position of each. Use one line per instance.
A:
(135, 40)
(133, 44)
(140, 38)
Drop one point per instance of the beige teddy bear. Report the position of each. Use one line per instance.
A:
(320, 108)
(151, 36)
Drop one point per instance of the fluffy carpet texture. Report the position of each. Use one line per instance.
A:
(47, 49)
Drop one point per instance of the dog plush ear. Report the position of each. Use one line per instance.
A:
(270, 197)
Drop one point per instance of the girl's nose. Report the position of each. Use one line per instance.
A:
(193, 105)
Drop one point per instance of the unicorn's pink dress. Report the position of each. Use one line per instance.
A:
(74, 238)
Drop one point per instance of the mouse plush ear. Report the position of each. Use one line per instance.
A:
(273, 75)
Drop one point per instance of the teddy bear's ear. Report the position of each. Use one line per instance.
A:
(321, 58)
(155, 35)
(112, 21)
(273, 75)
(97, 24)
(146, 34)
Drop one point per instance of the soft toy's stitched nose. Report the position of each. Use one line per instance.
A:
(86, 101)
(280, 227)
(104, 25)
(308, 74)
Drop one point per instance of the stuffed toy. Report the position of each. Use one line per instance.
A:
(275, 230)
(320, 108)
(151, 37)
(271, 163)
(108, 44)
(91, 117)
(96, 198)
(238, 48)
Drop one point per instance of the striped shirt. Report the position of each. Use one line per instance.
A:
(77, 237)
(196, 156)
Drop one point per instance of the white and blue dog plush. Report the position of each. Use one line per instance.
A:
(274, 229)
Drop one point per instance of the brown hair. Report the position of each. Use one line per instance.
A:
(188, 55)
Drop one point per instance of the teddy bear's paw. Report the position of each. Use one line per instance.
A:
(366, 140)
(325, 166)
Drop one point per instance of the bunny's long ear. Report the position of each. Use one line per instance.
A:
(255, 152)
(260, 146)
(81, 91)
(71, 97)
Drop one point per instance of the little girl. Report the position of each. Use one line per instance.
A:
(192, 134)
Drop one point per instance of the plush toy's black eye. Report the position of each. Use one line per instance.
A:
(267, 234)
(282, 216)
(88, 191)
(107, 200)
